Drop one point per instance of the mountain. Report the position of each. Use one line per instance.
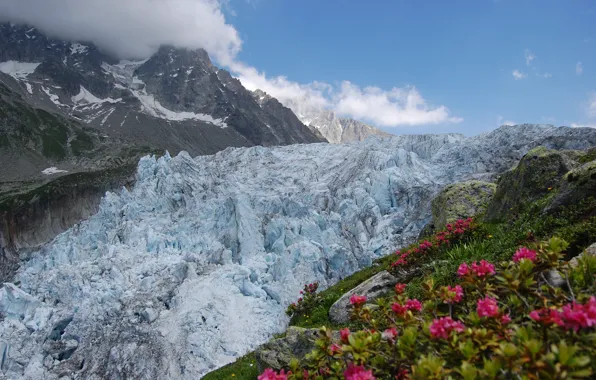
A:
(324, 122)
(194, 265)
(176, 100)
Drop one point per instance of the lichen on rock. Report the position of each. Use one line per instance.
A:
(577, 184)
(537, 175)
(461, 200)
(278, 353)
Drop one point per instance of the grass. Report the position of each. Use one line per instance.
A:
(245, 368)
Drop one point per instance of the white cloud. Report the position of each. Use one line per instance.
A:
(529, 57)
(592, 105)
(392, 108)
(576, 125)
(547, 75)
(131, 28)
(518, 74)
(579, 68)
(136, 29)
(501, 121)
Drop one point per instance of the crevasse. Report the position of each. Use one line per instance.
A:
(195, 264)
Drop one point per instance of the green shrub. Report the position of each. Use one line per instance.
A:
(504, 320)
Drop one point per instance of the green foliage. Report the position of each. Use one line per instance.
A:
(245, 368)
(504, 321)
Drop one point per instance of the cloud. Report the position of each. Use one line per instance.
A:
(518, 74)
(396, 107)
(136, 29)
(501, 121)
(592, 105)
(579, 68)
(547, 75)
(529, 57)
(131, 28)
(576, 125)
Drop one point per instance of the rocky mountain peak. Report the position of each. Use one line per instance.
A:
(176, 99)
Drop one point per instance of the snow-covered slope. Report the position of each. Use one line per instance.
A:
(194, 265)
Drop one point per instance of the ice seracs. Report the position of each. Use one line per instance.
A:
(196, 263)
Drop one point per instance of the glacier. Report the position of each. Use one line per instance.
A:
(194, 265)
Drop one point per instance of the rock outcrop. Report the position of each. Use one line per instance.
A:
(278, 353)
(373, 288)
(461, 200)
(538, 173)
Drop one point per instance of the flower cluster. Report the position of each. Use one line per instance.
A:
(482, 269)
(524, 253)
(487, 307)
(572, 316)
(357, 301)
(442, 327)
(306, 302)
(453, 233)
(452, 294)
(355, 372)
(270, 374)
(500, 321)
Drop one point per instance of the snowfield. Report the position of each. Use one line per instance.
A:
(195, 265)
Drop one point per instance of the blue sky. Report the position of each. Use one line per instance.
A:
(457, 54)
(406, 66)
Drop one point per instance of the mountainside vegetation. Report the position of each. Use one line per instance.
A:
(510, 295)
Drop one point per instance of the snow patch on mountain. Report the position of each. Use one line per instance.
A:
(153, 107)
(18, 70)
(53, 170)
(53, 97)
(77, 48)
(84, 96)
(124, 71)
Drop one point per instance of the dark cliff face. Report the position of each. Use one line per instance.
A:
(36, 215)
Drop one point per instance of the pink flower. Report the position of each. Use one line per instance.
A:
(344, 334)
(270, 374)
(524, 253)
(463, 270)
(590, 310)
(403, 374)
(335, 349)
(575, 316)
(390, 333)
(546, 316)
(452, 294)
(442, 327)
(414, 305)
(357, 300)
(400, 288)
(505, 319)
(399, 309)
(487, 307)
(358, 373)
(482, 269)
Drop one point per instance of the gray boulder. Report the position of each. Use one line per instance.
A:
(372, 288)
(460, 201)
(538, 173)
(278, 353)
